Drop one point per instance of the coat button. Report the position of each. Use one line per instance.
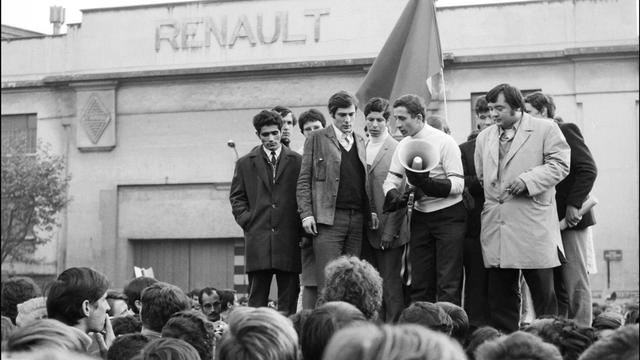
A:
(501, 201)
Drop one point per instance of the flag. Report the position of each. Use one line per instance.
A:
(409, 58)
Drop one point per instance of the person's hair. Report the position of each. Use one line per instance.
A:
(607, 320)
(350, 279)
(207, 291)
(7, 328)
(267, 118)
(299, 319)
(540, 101)
(378, 104)
(565, 334)
(16, 290)
(479, 337)
(44, 334)
(258, 333)
(392, 342)
(126, 325)
(323, 322)
(413, 103)
(517, 346)
(631, 315)
(436, 122)
(159, 302)
(193, 327)
(340, 100)
(622, 344)
(226, 296)
(72, 287)
(134, 288)
(459, 320)
(168, 349)
(126, 347)
(311, 115)
(481, 105)
(512, 96)
(284, 111)
(428, 315)
(193, 292)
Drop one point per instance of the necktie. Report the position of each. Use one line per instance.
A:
(274, 163)
(347, 141)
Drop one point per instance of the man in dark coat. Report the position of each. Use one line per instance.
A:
(263, 201)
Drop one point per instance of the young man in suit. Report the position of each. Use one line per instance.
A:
(519, 160)
(263, 201)
(572, 278)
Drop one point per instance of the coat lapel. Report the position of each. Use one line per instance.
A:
(361, 150)
(331, 134)
(257, 160)
(380, 154)
(522, 135)
(494, 145)
(284, 161)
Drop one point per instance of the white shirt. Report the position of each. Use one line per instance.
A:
(374, 145)
(346, 140)
(268, 152)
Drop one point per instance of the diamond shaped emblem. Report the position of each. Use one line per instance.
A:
(95, 118)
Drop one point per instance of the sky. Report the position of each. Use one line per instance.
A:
(34, 14)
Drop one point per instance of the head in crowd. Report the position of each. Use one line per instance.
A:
(506, 105)
(409, 112)
(428, 315)
(479, 337)
(210, 302)
(540, 105)
(323, 322)
(7, 328)
(570, 338)
(243, 301)
(517, 346)
(631, 314)
(159, 302)
(16, 290)
(355, 281)
(133, 290)
(311, 120)
(392, 342)
(621, 344)
(126, 347)
(483, 115)
(32, 309)
(299, 319)
(193, 327)
(268, 125)
(288, 123)
(78, 297)
(459, 319)
(117, 303)
(45, 334)
(258, 333)
(341, 100)
(194, 295)
(168, 349)
(227, 299)
(607, 320)
(438, 122)
(597, 309)
(128, 324)
(376, 113)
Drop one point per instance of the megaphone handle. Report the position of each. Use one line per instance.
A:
(410, 201)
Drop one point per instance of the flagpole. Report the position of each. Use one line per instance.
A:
(444, 96)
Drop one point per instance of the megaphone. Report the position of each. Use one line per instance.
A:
(418, 155)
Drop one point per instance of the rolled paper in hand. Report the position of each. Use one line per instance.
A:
(586, 206)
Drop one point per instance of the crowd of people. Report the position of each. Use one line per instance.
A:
(381, 249)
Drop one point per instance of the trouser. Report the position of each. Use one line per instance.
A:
(288, 288)
(504, 295)
(388, 263)
(476, 302)
(343, 237)
(572, 279)
(436, 254)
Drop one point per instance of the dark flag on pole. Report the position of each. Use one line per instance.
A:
(409, 58)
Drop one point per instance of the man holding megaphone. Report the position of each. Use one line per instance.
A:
(431, 161)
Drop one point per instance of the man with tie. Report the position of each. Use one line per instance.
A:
(331, 192)
(263, 202)
(519, 160)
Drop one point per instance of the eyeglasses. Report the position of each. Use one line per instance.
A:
(211, 305)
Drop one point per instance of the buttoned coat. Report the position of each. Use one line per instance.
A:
(522, 232)
(266, 211)
(319, 178)
(390, 224)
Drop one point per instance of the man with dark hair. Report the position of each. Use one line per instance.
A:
(573, 290)
(78, 298)
(519, 160)
(129, 324)
(459, 319)
(134, 288)
(263, 201)
(16, 290)
(309, 121)
(476, 301)
(331, 191)
(126, 347)
(193, 327)
(210, 305)
(428, 315)
(227, 302)
(117, 303)
(159, 302)
(438, 218)
(288, 123)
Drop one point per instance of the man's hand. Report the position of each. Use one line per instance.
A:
(309, 225)
(374, 223)
(572, 216)
(394, 200)
(516, 187)
(105, 338)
